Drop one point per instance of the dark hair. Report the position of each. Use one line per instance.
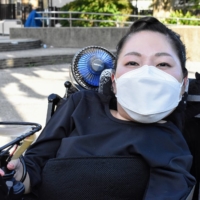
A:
(152, 24)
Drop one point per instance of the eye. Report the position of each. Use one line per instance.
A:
(132, 63)
(163, 65)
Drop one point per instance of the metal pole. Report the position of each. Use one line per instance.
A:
(3, 28)
(43, 20)
(136, 8)
(0, 10)
(70, 21)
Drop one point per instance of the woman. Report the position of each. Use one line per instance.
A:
(149, 80)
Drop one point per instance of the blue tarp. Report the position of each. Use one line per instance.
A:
(31, 21)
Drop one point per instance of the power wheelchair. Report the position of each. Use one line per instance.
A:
(98, 79)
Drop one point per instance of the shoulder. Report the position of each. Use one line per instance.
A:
(162, 142)
(89, 96)
(165, 136)
(169, 128)
(171, 133)
(81, 100)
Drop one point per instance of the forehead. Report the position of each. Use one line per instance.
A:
(148, 42)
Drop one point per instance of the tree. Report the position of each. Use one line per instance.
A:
(162, 8)
(184, 18)
(195, 4)
(98, 6)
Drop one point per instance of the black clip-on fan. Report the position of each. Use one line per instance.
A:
(87, 66)
(85, 71)
(10, 189)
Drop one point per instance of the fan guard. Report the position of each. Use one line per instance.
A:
(88, 64)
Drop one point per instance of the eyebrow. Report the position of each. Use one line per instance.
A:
(133, 53)
(163, 54)
(157, 54)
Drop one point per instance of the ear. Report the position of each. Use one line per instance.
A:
(112, 77)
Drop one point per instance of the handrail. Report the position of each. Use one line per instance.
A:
(80, 19)
(3, 22)
(70, 18)
(92, 13)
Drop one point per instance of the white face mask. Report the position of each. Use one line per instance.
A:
(148, 94)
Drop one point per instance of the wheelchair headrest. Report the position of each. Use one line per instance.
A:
(194, 94)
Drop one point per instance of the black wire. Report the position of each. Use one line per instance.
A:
(21, 158)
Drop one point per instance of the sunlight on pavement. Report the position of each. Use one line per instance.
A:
(24, 91)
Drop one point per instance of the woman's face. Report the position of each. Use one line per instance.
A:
(149, 48)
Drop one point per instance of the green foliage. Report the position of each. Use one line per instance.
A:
(183, 20)
(194, 4)
(97, 6)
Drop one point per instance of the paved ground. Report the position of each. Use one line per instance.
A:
(24, 92)
(38, 52)
(4, 37)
